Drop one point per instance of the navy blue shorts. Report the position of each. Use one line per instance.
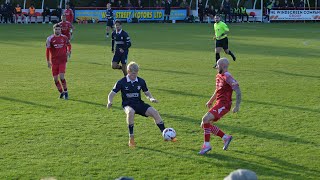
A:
(110, 23)
(140, 108)
(222, 43)
(120, 57)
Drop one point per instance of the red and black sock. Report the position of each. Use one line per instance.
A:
(59, 87)
(64, 84)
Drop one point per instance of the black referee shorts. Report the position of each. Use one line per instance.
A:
(222, 43)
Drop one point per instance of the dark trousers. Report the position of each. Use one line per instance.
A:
(242, 15)
(229, 16)
(44, 17)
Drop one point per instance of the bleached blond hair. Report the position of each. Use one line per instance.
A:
(133, 67)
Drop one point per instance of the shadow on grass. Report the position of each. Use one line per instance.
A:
(172, 72)
(24, 102)
(285, 165)
(292, 171)
(183, 93)
(296, 75)
(94, 104)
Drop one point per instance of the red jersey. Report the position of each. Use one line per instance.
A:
(58, 48)
(69, 15)
(225, 84)
(65, 28)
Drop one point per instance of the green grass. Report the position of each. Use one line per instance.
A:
(276, 132)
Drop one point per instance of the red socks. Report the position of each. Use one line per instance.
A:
(64, 84)
(216, 131)
(58, 86)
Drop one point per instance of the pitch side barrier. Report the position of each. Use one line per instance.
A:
(295, 14)
(129, 14)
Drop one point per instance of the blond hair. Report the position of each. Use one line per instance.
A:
(133, 67)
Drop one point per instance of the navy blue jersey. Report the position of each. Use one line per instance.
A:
(109, 14)
(121, 39)
(130, 90)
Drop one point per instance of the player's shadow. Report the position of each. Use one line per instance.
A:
(94, 103)
(294, 74)
(287, 166)
(24, 102)
(172, 72)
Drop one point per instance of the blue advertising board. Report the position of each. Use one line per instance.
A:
(142, 15)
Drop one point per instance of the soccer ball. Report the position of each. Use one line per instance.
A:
(168, 134)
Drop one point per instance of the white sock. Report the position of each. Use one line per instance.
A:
(224, 137)
(207, 144)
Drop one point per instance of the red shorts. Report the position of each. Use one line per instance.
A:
(219, 109)
(58, 68)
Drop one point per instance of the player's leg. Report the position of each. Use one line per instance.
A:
(206, 126)
(107, 31)
(226, 49)
(62, 70)
(218, 111)
(151, 112)
(55, 73)
(115, 61)
(124, 59)
(130, 121)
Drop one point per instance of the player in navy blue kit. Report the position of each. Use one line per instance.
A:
(130, 87)
(121, 40)
(109, 14)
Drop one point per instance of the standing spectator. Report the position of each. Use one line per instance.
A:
(69, 14)
(119, 4)
(9, 12)
(157, 4)
(276, 5)
(200, 10)
(139, 4)
(269, 6)
(129, 4)
(46, 12)
(18, 12)
(286, 4)
(227, 10)
(32, 13)
(167, 10)
(184, 4)
(244, 13)
(301, 4)
(2, 12)
(176, 3)
(292, 5)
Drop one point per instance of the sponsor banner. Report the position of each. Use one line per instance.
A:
(142, 15)
(279, 15)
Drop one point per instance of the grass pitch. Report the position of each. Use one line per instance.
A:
(276, 132)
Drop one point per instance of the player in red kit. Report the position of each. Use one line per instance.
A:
(58, 50)
(66, 27)
(225, 85)
(69, 13)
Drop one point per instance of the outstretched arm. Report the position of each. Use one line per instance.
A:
(238, 100)
(110, 99)
(150, 97)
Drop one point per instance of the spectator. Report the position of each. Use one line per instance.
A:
(176, 3)
(184, 4)
(242, 174)
(112, 3)
(243, 12)
(32, 13)
(8, 12)
(292, 5)
(46, 13)
(167, 10)
(139, 4)
(276, 5)
(157, 4)
(2, 12)
(269, 6)
(227, 10)
(200, 10)
(285, 4)
(129, 4)
(57, 12)
(301, 4)
(18, 12)
(119, 4)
